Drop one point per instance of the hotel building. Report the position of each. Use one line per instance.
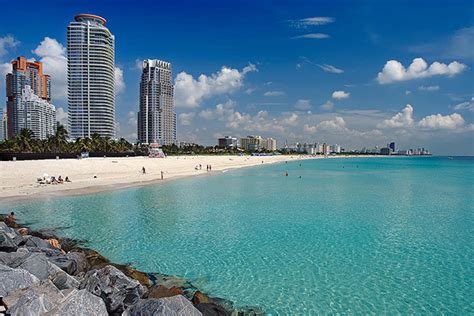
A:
(3, 126)
(227, 142)
(257, 143)
(156, 116)
(91, 66)
(39, 114)
(24, 73)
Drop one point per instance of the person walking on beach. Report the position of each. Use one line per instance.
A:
(161, 175)
(143, 170)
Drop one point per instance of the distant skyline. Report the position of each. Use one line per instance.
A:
(358, 74)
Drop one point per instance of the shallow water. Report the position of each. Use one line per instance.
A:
(360, 235)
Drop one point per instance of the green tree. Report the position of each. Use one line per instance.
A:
(24, 140)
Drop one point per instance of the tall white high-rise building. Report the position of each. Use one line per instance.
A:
(156, 116)
(36, 114)
(3, 126)
(91, 66)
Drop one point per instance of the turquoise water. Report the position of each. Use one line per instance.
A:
(361, 235)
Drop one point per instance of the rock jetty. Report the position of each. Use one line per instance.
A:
(42, 274)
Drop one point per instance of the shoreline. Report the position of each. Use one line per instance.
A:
(18, 177)
(72, 268)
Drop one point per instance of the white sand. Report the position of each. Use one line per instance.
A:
(18, 178)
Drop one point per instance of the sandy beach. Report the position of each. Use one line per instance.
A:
(19, 178)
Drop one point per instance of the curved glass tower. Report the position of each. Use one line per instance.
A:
(91, 65)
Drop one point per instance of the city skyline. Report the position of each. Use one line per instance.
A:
(287, 76)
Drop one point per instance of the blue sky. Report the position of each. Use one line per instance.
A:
(334, 71)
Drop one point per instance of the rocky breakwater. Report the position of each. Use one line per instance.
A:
(41, 274)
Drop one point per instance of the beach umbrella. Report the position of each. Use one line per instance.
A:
(45, 175)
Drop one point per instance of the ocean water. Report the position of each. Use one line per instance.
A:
(351, 236)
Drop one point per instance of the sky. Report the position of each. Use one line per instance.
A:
(355, 73)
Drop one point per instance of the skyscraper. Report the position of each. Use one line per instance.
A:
(3, 126)
(392, 146)
(40, 115)
(91, 66)
(156, 116)
(24, 73)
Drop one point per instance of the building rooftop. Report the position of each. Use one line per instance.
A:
(90, 17)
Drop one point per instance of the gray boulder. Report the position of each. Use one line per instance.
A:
(13, 279)
(79, 302)
(211, 309)
(116, 289)
(36, 242)
(168, 306)
(10, 239)
(38, 265)
(14, 259)
(73, 263)
(35, 300)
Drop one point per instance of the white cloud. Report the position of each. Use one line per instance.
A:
(61, 116)
(338, 126)
(190, 92)
(250, 90)
(340, 94)
(468, 105)
(132, 118)
(428, 88)
(119, 83)
(186, 118)
(274, 93)
(303, 105)
(438, 121)
(53, 56)
(402, 119)
(313, 36)
(290, 120)
(327, 106)
(317, 20)
(461, 44)
(5, 68)
(220, 112)
(394, 71)
(331, 69)
(405, 120)
(6, 43)
(138, 64)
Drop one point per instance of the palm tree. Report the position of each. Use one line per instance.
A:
(82, 145)
(24, 140)
(60, 138)
(123, 145)
(96, 142)
(107, 144)
(9, 145)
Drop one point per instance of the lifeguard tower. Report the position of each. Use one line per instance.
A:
(155, 151)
